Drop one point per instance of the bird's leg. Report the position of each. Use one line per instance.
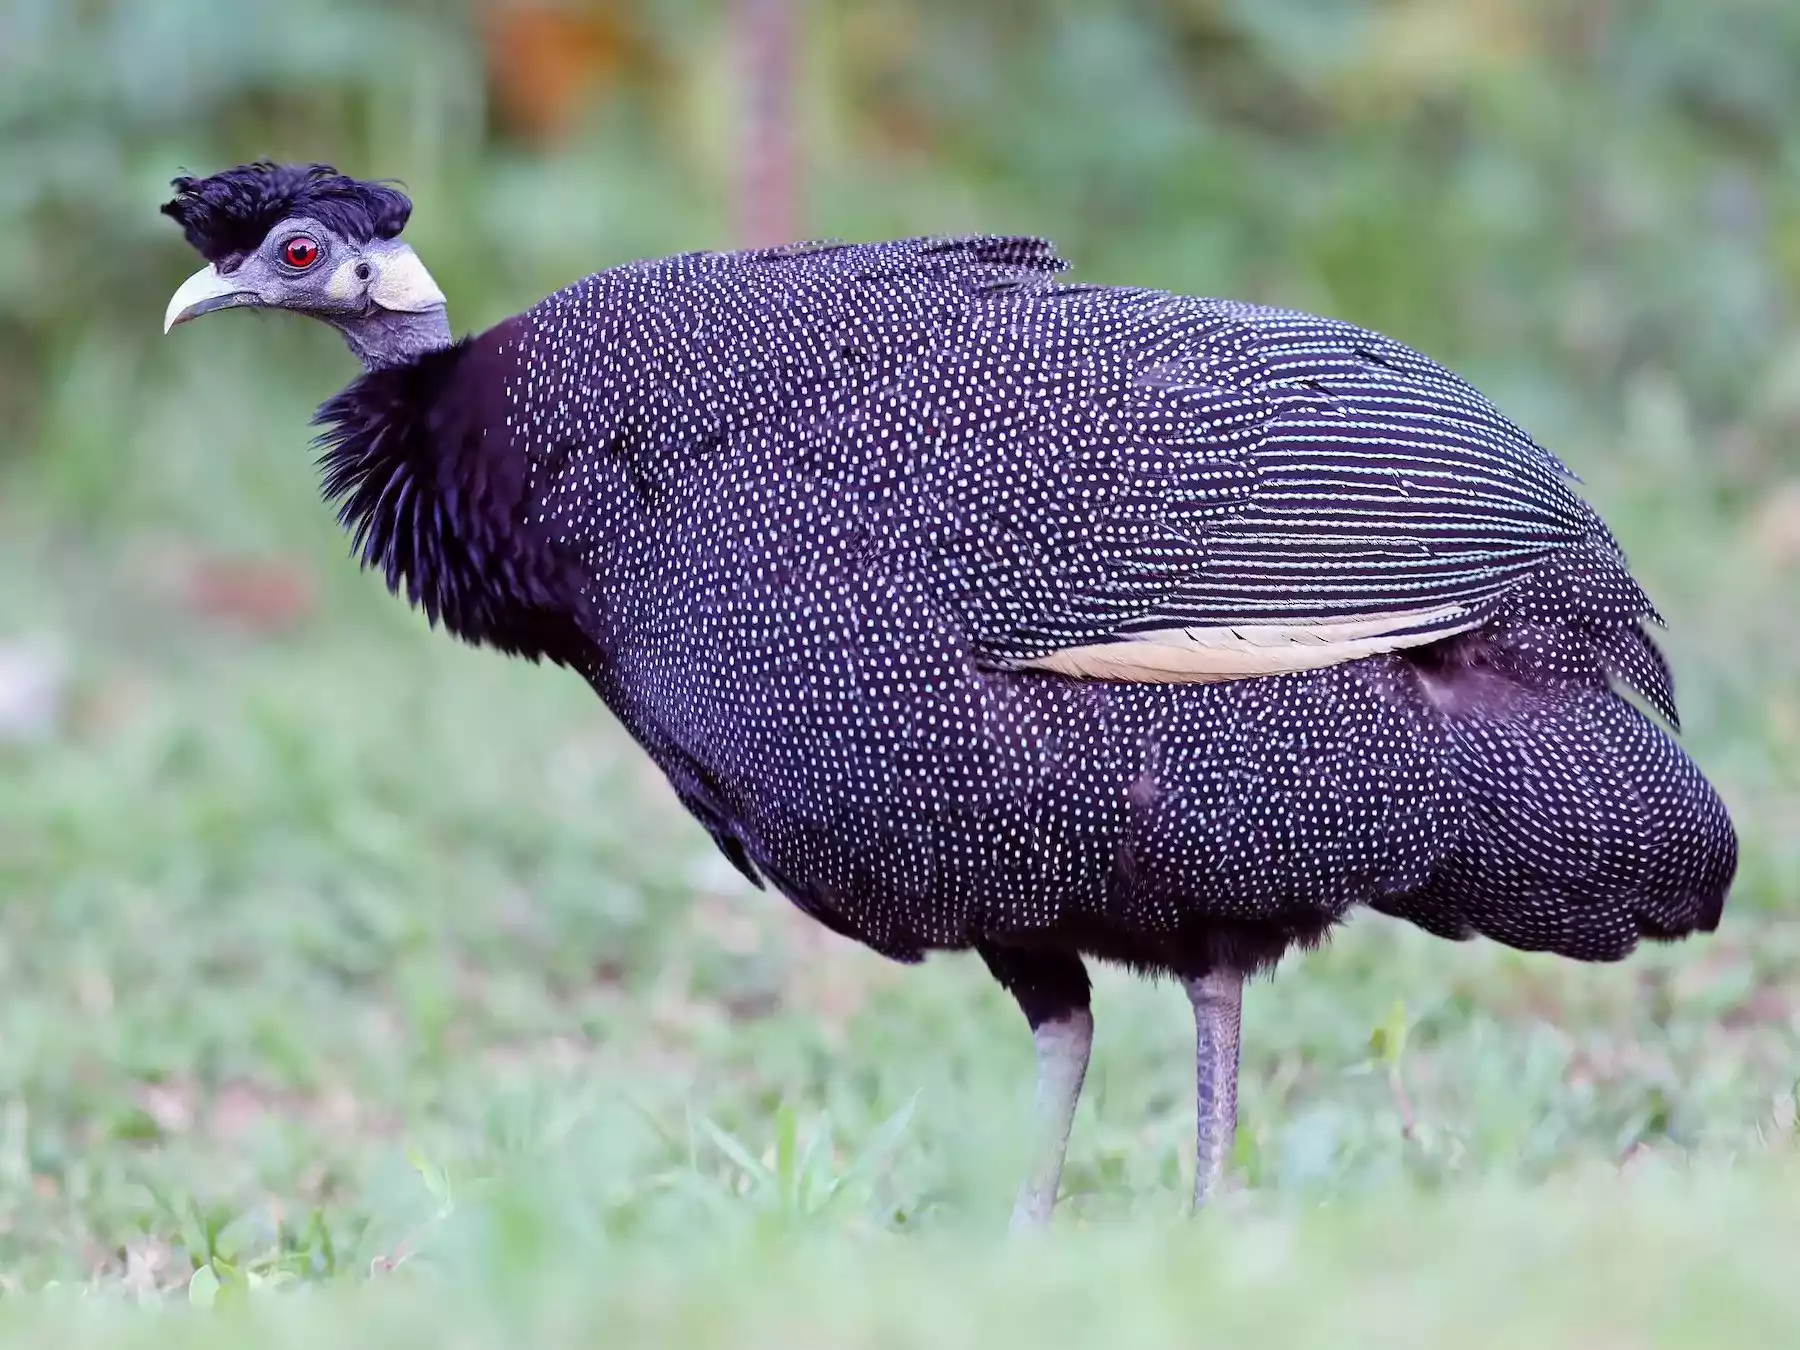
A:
(1062, 1059)
(1052, 990)
(1218, 1006)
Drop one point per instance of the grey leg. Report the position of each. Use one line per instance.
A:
(1062, 1060)
(1218, 1008)
(1052, 990)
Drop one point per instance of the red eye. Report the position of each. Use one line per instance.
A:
(300, 252)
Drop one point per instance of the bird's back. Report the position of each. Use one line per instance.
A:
(856, 527)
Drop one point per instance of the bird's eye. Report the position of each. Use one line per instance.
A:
(300, 252)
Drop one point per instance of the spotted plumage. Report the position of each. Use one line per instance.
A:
(823, 525)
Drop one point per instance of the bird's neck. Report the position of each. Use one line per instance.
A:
(434, 486)
(383, 339)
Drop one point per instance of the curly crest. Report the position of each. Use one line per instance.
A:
(230, 213)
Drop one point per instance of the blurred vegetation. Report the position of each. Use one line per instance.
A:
(1599, 200)
(330, 947)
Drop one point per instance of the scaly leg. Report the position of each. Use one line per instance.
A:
(1218, 1009)
(1062, 1056)
(1052, 990)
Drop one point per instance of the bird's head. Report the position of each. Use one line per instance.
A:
(309, 239)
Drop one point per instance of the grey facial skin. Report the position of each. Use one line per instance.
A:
(377, 294)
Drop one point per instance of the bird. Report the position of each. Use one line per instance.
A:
(974, 608)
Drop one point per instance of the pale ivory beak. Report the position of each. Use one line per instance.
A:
(204, 292)
(402, 284)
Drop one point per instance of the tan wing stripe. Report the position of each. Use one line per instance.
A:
(1208, 655)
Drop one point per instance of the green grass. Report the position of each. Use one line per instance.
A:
(382, 979)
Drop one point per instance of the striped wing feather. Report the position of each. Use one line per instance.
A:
(1390, 505)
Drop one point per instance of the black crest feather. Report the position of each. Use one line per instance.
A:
(230, 213)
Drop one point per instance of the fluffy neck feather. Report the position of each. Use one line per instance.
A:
(433, 491)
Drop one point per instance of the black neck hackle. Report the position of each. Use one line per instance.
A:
(434, 500)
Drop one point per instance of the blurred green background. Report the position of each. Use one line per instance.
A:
(332, 951)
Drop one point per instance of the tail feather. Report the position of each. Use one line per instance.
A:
(1583, 617)
(1630, 656)
(1586, 829)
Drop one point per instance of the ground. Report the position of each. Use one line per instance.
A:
(338, 955)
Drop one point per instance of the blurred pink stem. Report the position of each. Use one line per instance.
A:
(767, 175)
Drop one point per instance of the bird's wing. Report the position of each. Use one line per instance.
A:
(1237, 491)
(1385, 503)
(1113, 482)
